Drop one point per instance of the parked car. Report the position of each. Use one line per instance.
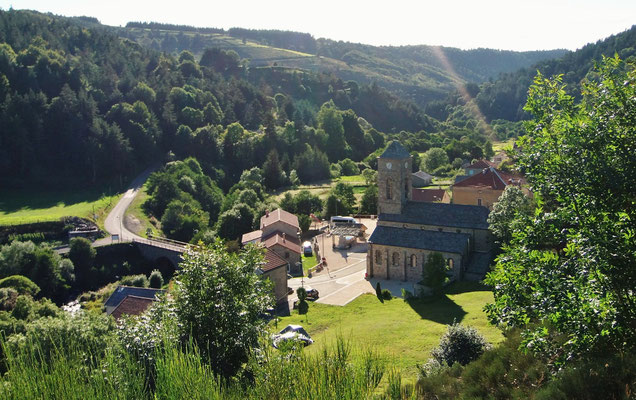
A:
(307, 251)
(312, 294)
(292, 332)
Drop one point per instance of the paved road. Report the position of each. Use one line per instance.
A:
(114, 223)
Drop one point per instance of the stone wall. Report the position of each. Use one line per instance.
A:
(399, 267)
(278, 276)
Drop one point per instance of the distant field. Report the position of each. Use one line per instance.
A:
(498, 146)
(401, 332)
(24, 207)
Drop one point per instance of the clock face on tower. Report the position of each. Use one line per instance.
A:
(388, 165)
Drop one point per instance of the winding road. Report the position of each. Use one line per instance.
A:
(114, 223)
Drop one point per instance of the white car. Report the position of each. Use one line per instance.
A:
(292, 332)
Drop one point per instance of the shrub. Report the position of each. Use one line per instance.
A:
(378, 291)
(135, 280)
(460, 344)
(406, 295)
(8, 297)
(156, 279)
(386, 294)
(21, 284)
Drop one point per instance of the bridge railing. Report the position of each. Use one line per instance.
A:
(170, 245)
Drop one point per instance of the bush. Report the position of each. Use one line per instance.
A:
(386, 294)
(406, 295)
(156, 279)
(21, 284)
(460, 344)
(135, 280)
(8, 297)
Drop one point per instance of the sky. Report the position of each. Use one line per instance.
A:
(499, 24)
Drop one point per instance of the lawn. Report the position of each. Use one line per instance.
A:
(308, 262)
(403, 333)
(498, 146)
(29, 206)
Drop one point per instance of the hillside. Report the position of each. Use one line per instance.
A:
(417, 73)
(505, 97)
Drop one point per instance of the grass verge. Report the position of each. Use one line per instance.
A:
(136, 210)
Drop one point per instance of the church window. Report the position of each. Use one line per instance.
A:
(389, 189)
(396, 258)
(378, 257)
(413, 262)
(478, 202)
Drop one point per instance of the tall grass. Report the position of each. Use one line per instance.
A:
(335, 373)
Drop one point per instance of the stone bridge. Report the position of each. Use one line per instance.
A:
(161, 249)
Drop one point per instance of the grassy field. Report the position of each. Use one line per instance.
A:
(24, 207)
(404, 333)
(498, 146)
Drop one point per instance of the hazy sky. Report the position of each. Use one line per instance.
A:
(499, 24)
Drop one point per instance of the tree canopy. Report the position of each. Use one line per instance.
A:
(567, 277)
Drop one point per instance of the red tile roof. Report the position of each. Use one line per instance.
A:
(481, 164)
(286, 241)
(132, 305)
(250, 236)
(490, 177)
(429, 195)
(272, 261)
(279, 215)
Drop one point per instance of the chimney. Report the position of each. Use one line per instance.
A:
(284, 236)
(266, 213)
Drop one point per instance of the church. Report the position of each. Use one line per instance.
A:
(408, 231)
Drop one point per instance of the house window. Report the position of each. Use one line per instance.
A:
(286, 254)
(378, 257)
(413, 262)
(389, 189)
(478, 202)
(396, 258)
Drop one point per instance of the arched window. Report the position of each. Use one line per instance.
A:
(396, 258)
(413, 261)
(378, 257)
(389, 189)
(451, 263)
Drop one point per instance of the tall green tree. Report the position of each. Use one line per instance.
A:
(219, 302)
(567, 277)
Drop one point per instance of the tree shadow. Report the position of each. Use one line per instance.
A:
(466, 286)
(439, 309)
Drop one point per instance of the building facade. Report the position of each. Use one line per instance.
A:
(408, 232)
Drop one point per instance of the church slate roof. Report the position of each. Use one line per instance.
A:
(395, 151)
(448, 242)
(441, 214)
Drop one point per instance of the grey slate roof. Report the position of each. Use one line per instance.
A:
(122, 291)
(422, 175)
(395, 151)
(441, 214)
(448, 242)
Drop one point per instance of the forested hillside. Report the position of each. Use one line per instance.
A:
(505, 97)
(418, 73)
(80, 105)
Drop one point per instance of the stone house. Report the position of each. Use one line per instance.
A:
(484, 188)
(421, 179)
(275, 269)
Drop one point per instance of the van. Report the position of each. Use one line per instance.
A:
(336, 219)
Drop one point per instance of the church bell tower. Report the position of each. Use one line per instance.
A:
(394, 179)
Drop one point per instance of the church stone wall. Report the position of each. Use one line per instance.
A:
(402, 270)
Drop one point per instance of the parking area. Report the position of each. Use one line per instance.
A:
(343, 279)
